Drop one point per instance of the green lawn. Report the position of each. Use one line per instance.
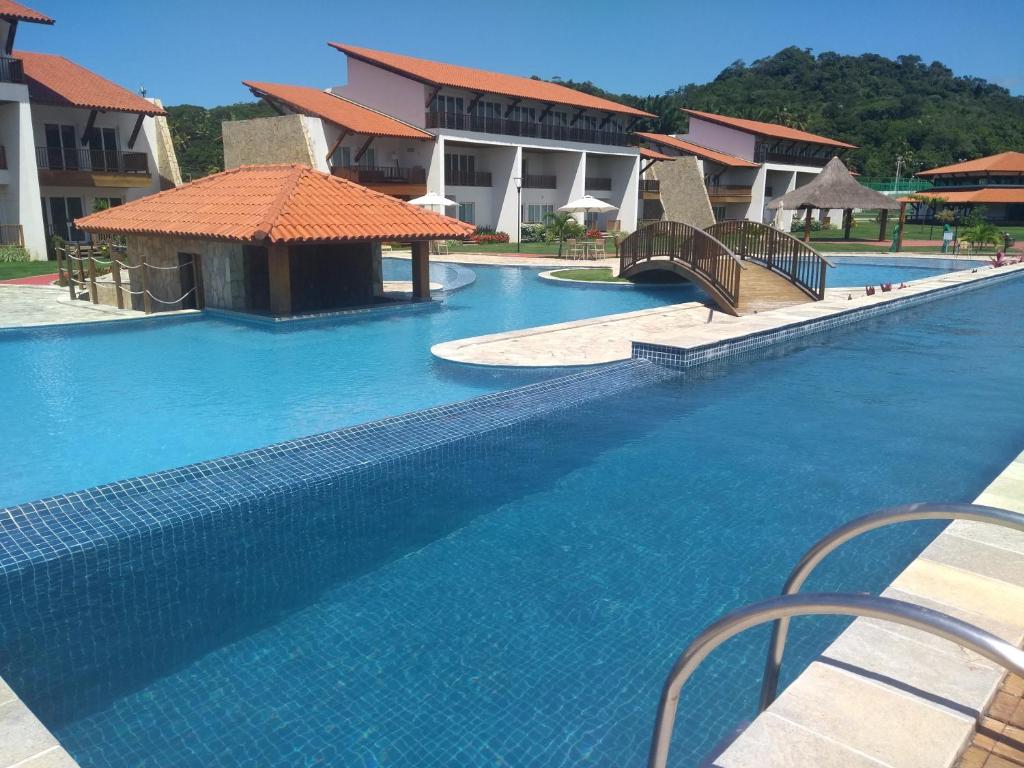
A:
(589, 274)
(868, 230)
(11, 269)
(535, 249)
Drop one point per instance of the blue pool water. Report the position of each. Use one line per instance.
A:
(198, 389)
(518, 599)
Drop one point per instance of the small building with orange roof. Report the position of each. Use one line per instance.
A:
(507, 149)
(274, 240)
(70, 138)
(748, 163)
(995, 182)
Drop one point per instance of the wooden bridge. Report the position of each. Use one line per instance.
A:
(745, 266)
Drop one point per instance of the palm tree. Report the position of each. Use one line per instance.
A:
(983, 233)
(559, 223)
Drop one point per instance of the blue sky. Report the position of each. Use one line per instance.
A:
(198, 51)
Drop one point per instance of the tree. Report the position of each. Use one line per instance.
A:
(983, 233)
(560, 224)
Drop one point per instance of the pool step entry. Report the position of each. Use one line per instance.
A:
(745, 266)
(791, 603)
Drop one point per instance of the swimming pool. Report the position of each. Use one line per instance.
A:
(517, 597)
(125, 399)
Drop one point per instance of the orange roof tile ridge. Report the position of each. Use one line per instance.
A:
(265, 228)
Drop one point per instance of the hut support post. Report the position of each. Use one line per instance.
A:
(279, 269)
(421, 270)
(903, 223)
(807, 226)
(883, 222)
(847, 223)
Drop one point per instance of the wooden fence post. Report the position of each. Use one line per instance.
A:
(147, 301)
(81, 264)
(92, 280)
(115, 271)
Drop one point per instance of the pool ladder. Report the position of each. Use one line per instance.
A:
(790, 603)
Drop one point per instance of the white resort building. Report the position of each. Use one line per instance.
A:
(70, 139)
(507, 149)
(746, 163)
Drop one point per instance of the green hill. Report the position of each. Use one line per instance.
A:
(886, 107)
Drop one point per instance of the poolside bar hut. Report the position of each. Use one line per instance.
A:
(835, 187)
(270, 239)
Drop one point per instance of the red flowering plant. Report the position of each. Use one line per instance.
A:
(594, 234)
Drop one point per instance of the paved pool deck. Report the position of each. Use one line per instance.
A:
(25, 306)
(886, 696)
(610, 338)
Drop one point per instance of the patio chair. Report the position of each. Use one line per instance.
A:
(439, 247)
(571, 248)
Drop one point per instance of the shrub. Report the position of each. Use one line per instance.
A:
(594, 234)
(816, 226)
(489, 238)
(533, 233)
(10, 253)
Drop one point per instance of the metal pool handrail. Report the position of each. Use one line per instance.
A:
(817, 553)
(933, 622)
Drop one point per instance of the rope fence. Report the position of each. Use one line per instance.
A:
(74, 261)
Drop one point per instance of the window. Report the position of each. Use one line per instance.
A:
(719, 211)
(103, 150)
(459, 169)
(60, 214)
(467, 212)
(536, 214)
(369, 158)
(342, 157)
(103, 203)
(61, 149)
(449, 104)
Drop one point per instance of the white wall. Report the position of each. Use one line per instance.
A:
(385, 91)
(714, 136)
(20, 199)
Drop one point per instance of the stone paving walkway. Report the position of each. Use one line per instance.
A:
(999, 738)
(23, 306)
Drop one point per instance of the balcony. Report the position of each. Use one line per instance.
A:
(468, 179)
(371, 175)
(109, 161)
(462, 122)
(533, 181)
(11, 70)
(762, 154)
(599, 182)
(721, 194)
(652, 186)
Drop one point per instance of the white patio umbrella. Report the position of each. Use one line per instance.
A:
(431, 199)
(588, 204)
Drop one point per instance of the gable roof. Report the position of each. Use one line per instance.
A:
(336, 109)
(56, 80)
(275, 204)
(650, 154)
(1004, 162)
(723, 158)
(767, 129)
(18, 12)
(455, 76)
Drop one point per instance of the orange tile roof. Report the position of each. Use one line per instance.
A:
(690, 148)
(19, 12)
(55, 80)
(336, 109)
(650, 154)
(1004, 162)
(985, 195)
(275, 204)
(514, 86)
(767, 129)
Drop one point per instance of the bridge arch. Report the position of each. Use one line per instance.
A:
(687, 251)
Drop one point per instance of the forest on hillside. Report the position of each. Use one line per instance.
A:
(887, 107)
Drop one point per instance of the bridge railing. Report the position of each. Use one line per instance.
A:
(777, 250)
(700, 251)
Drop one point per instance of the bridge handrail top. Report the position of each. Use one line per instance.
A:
(704, 232)
(819, 254)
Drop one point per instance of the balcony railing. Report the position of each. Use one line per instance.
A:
(11, 234)
(736, 190)
(792, 157)
(11, 70)
(533, 181)
(462, 122)
(650, 185)
(468, 179)
(599, 182)
(102, 160)
(381, 174)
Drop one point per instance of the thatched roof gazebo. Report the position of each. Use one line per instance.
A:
(835, 187)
